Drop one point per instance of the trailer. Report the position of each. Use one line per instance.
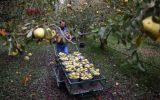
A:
(78, 87)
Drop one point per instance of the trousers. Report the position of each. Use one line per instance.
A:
(62, 48)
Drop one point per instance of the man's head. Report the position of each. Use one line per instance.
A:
(62, 24)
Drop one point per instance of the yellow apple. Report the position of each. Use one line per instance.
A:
(151, 28)
(26, 58)
(29, 54)
(125, 1)
(14, 53)
(39, 33)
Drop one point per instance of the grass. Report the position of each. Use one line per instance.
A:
(111, 60)
(151, 55)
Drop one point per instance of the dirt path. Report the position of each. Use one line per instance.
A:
(48, 83)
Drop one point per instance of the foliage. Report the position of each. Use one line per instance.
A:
(80, 20)
(20, 21)
(124, 23)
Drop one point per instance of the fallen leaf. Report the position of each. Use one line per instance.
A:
(51, 62)
(24, 28)
(33, 94)
(114, 93)
(137, 85)
(26, 79)
(11, 81)
(3, 32)
(117, 83)
(17, 72)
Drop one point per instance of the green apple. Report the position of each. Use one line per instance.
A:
(29, 54)
(26, 58)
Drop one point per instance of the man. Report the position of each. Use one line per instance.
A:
(62, 35)
(61, 39)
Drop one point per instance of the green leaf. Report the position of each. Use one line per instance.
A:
(95, 30)
(141, 67)
(91, 27)
(130, 61)
(12, 33)
(139, 40)
(126, 17)
(135, 56)
(124, 42)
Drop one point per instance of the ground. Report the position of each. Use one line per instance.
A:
(34, 79)
(41, 82)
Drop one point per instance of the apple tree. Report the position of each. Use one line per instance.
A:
(20, 19)
(131, 21)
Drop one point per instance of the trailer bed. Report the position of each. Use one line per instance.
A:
(80, 86)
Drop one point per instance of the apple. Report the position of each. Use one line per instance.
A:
(126, 1)
(49, 34)
(33, 11)
(29, 11)
(26, 58)
(67, 69)
(97, 12)
(69, 5)
(151, 28)
(29, 54)
(90, 76)
(37, 11)
(14, 53)
(91, 65)
(39, 33)
(97, 70)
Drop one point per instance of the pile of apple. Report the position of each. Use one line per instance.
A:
(78, 67)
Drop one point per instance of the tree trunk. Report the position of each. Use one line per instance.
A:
(102, 43)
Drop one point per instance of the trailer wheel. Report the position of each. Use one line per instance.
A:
(57, 78)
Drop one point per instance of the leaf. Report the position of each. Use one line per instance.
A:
(134, 56)
(3, 32)
(130, 61)
(26, 79)
(30, 33)
(33, 94)
(129, 37)
(52, 62)
(141, 67)
(24, 28)
(91, 27)
(118, 41)
(95, 30)
(127, 16)
(110, 21)
(13, 33)
(124, 42)
(139, 40)
(10, 48)
(27, 24)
